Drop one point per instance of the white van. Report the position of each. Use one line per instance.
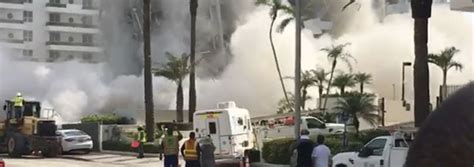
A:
(229, 127)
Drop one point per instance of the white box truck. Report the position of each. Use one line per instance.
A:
(229, 127)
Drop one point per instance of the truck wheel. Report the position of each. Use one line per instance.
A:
(15, 145)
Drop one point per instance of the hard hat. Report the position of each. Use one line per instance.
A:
(18, 94)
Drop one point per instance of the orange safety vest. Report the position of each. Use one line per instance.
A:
(190, 152)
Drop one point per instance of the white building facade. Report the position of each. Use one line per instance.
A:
(50, 30)
(462, 5)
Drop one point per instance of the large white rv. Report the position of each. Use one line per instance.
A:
(229, 127)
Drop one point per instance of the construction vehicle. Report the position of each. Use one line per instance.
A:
(28, 134)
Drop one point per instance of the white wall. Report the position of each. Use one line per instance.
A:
(17, 14)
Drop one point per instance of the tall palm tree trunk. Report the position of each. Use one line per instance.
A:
(193, 4)
(276, 59)
(356, 123)
(329, 85)
(179, 103)
(149, 112)
(303, 102)
(361, 88)
(343, 90)
(421, 72)
(445, 85)
(321, 88)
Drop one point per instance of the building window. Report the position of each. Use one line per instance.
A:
(54, 37)
(86, 4)
(71, 1)
(87, 56)
(10, 16)
(28, 35)
(53, 54)
(71, 39)
(54, 17)
(87, 38)
(10, 35)
(55, 1)
(71, 20)
(28, 53)
(28, 16)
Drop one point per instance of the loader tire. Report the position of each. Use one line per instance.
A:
(15, 145)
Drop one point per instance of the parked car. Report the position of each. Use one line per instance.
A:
(75, 140)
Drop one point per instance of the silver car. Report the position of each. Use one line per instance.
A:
(75, 140)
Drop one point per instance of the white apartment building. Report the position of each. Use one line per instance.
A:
(50, 30)
(462, 5)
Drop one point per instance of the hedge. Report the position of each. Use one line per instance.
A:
(278, 151)
(108, 119)
(125, 146)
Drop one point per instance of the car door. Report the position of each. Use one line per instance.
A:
(212, 126)
(373, 160)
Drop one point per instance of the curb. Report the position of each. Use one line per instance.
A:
(129, 153)
(75, 158)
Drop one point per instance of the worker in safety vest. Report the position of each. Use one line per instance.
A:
(18, 102)
(141, 137)
(190, 151)
(170, 145)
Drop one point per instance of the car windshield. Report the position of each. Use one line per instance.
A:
(74, 133)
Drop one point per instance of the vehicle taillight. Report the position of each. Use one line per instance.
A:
(2, 164)
(69, 140)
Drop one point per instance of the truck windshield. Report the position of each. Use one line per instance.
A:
(313, 123)
(377, 145)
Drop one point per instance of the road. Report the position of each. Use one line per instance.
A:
(93, 160)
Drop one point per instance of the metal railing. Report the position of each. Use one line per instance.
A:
(12, 1)
(70, 24)
(12, 40)
(56, 5)
(11, 21)
(69, 43)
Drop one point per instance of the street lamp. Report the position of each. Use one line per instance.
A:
(403, 81)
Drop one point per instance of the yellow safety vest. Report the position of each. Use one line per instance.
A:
(190, 152)
(170, 144)
(141, 136)
(18, 101)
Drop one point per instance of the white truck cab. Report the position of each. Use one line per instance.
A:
(228, 126)
(312, 124)
(383, 151)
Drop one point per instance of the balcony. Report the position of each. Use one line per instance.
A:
(72, 27)
(11, 24)
(11, 40)
(11, 4)
(58, 5)
(73, 46)
(12, 43)
(72, 9)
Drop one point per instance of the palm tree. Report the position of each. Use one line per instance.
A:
(421, 12)
(276, 6)
(307, 12)
(358, 106)
(285, 107)
(176, 69)
(362, 78)
(307, 80)
(335, 53)
(342, 81)
(445, 61)
(193, 4)
(321, 77)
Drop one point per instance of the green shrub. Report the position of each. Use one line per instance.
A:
(125, 146)
(278, 151)
(366, 136)
(107, 119)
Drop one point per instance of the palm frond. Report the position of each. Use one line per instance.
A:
(456, 65)
(283, 24)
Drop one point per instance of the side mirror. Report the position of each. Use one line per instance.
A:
(366, 152)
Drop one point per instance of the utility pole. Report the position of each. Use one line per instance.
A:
(193, 4)
(149, 116)
(298, 69)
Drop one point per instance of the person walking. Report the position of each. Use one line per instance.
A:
(170, 145)
(207, 148)
(141, 138)
(304, 148)
(190, 151)
(321, 154)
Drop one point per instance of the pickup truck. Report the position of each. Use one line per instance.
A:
(312, 124)
(383, 151)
